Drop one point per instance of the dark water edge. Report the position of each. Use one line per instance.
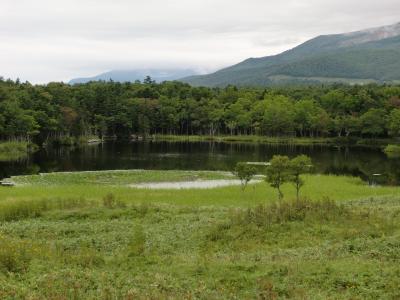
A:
(163, 155)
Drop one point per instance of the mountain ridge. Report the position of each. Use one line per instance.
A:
(137, 74)
(372, 54)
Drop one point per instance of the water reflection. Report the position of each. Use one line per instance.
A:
(357, 161)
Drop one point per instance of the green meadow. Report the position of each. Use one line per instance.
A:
(89, 235)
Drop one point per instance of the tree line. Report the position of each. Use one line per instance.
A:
(54, 110)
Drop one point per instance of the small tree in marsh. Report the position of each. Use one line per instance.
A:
(245, 173)
(278, 172)
(299, 165)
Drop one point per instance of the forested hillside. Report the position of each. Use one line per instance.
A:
(371, 55)
(48, 112)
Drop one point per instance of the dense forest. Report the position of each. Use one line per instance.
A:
(54, 111)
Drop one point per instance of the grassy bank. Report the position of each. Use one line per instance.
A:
(305, 141)
(88, 235)
(95, 185)
(10, 151)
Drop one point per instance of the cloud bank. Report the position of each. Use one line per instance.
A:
(55, 40)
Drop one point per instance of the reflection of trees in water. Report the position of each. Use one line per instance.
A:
(211, 155)
(18, 168)
(21, 166)
(361, 162)
(394, 174)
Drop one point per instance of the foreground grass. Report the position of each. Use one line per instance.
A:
(95, 241)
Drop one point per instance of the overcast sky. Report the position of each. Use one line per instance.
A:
(56, 40)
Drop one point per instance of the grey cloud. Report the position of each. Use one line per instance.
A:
(45, 40)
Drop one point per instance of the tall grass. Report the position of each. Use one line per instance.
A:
(290, 211)
(15, 255)
(13, 210)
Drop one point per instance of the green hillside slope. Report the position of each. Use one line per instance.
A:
(364, 56)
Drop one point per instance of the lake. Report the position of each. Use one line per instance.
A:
(357, 161)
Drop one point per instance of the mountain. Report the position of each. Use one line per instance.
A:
(371, 55)
(139, 74)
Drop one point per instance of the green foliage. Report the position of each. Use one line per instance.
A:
(69, 115)
(299, 165)
(245, 173)
(282, 170)
(10, 151)
(394, 122)
(373, 122)
(392, 151)
(278, 116)
(278, 172)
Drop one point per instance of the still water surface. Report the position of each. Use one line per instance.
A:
(358, 161)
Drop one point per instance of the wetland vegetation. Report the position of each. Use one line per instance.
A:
(94, 235)
(89, 235)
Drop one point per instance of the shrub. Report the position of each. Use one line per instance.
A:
(299, 165)
(245, 173)
(278, 173)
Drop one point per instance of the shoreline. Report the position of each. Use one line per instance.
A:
(300, 141)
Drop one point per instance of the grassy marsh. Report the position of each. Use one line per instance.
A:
(94, 185)
(101, 240)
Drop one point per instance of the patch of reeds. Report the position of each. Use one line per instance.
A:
(14, 210)
(290, 211)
